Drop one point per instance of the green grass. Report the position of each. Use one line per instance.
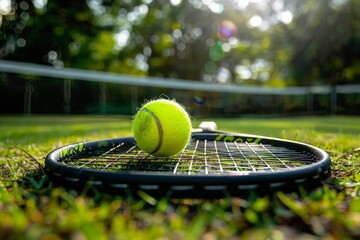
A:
(31, 207)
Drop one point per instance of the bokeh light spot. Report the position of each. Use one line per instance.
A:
(227, 29)
(198, 99)
(255, 21)
(216, 52)
(210, 67)
(5, 7)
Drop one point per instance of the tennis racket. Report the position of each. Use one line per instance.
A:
(214, 164)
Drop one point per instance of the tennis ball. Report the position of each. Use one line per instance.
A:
(162, 128)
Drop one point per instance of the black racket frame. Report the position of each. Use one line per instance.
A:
(167, 184)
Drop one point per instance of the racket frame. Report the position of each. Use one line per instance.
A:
(189, 185)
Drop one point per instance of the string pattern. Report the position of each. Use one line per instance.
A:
(200, 157)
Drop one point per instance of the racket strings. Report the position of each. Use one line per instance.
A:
(200, 157)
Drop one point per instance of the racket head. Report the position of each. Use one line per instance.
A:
(214, 164)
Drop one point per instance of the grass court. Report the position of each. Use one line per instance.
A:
(32, 207)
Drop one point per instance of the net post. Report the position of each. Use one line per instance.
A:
(333, 100)
(27, 96)
(67, 96)
(310, 101)
(134, 99)
(102, 97)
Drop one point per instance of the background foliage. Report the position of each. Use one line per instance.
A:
(276, 42)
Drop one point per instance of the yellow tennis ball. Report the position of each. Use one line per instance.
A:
(162, 128)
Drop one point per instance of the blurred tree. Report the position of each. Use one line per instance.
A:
(48, 32)
(321, 44)
(275, 42)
